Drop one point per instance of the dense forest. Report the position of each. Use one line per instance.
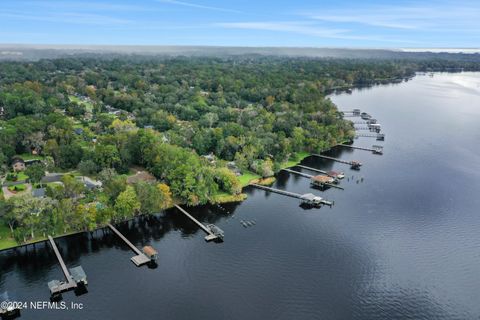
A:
(199, 126)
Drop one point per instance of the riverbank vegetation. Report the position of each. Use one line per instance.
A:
(201, 128)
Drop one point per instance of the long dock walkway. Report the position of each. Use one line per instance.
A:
(70, 284)
(283, 192)
(75, 277)
(313, 169)
(363, 129)
(310, 198)
(140, 258)
(213, 232)
(306, 175)
(378, 136)
(352, 163)
(375, 149)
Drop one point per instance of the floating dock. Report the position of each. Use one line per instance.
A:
(213, 232)
(308, 198)
(74, 277)
(353, 164)
(319, 181)
(140, 258)
(375, 148)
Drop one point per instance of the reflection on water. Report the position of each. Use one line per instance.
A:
(402, 243)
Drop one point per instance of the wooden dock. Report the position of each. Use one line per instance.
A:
(315, 200)
(378, 136)
(74, 276)
(371, 129)
(213, 232)
(314, 169)
(279, 191)
(306, 175)
(351, 113)
(375, 149)
(70, 283)
(140, 258)
(352, 163)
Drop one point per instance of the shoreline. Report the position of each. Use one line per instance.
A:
(219, 199)
(245, 179)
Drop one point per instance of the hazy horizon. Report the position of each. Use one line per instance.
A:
(305, 23)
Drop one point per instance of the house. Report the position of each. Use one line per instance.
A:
(32, 161)
(210, 158)
(232, 166)
(311, 199)
(18, 164)
(321, 180)
(78, 131)
(89, 183)
(39, 193)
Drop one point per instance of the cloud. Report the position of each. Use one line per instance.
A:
(198, 6)
(305, 28)
(296, 27)
(432, 16)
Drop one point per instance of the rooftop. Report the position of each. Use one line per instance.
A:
(322, 179)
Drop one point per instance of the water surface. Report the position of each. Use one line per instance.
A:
(402, 244)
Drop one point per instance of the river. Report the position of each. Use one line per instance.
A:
(404, 243)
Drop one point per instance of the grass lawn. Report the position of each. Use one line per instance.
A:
(295, 160)
(247, 177)
(21, 176)
(88, 105)
(223, 197)
(5, 240)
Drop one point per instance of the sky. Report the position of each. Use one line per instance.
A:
(300, 23)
